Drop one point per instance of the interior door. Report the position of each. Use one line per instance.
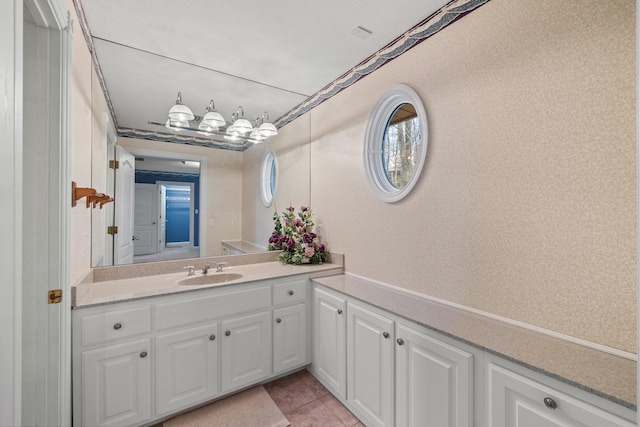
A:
(145, 224)
(162, 217)
(124, 204)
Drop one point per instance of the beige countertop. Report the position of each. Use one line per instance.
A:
(597, 372)
(118, 284)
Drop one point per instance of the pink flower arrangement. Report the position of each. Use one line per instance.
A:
(293, 234)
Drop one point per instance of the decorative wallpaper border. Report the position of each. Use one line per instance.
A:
(448, 14)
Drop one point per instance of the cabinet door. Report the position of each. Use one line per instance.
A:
(186, 368)
(289, 338)
(517, 401)
(434, 381)
(329, 331)
(116, 384)
(246, 350)
(370, 365)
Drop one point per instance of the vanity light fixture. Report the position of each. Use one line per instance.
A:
(241, 124)
(255, 133)
(267, 128)
(212, 125)
(181, 112)
(212, 117)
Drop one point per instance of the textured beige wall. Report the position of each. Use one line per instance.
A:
(291, 149)
(224, 188)
(527, 205)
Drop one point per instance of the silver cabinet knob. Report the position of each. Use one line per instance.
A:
(143, 354)
(400, 341)
(278, 320)
(385, 335)
(135, 237)
(550, 403)
(117, 326)
(227, 333)
(212, 337)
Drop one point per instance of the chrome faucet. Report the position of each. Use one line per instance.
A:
(220, 265)
(192, 270)
(206, 268)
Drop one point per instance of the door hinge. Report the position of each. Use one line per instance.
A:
(112, 229)
(55, 296)
(114, 164)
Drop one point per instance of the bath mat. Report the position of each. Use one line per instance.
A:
(253, 407)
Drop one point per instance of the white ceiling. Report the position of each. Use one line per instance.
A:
(261, 55)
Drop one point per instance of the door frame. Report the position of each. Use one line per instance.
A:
(192, 206)
(53, 17)
(202, 212)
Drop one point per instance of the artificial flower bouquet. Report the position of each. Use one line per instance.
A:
(293, 234)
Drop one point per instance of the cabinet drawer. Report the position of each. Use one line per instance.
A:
(207, 307)
(290, 292)
(115, 325)
(517, 400)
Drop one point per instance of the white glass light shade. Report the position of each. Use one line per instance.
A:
(256, 136)
(180, 111)
(213, 118)
(232, 135)
(268, 129)
(242, 125)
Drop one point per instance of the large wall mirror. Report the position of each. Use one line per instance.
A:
(216, 195)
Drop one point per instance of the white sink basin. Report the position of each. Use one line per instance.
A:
(210, 279)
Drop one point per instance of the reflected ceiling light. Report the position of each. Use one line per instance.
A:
(241, 125)
(213, 125)
(255, 135)
(206, 129)
(176, 124)
(212, 117)
(180, 111)
(267, 129)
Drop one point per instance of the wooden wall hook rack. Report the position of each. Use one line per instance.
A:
(93, 197)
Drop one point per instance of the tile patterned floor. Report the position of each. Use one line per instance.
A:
(307, 403)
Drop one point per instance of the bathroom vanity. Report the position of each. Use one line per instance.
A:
(146, 347)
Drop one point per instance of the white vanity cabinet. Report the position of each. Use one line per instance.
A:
(434, 380)
(112, 366)
(370, 365)
(246, 350)
(398, 373)
(329, 340)
(140, 361)
(517, 397)
(186, 367)
(291, 340)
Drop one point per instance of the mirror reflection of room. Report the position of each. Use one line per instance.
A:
(166, 209)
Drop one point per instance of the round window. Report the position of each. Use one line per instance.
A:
(396, 143)
(268, 178)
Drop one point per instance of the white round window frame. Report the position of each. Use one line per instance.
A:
(374, 140)
(266, 194)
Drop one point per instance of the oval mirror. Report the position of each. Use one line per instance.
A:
(396, 143)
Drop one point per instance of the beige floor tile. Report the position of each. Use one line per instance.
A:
(339, 410)
(290, 393)
(314, 414)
